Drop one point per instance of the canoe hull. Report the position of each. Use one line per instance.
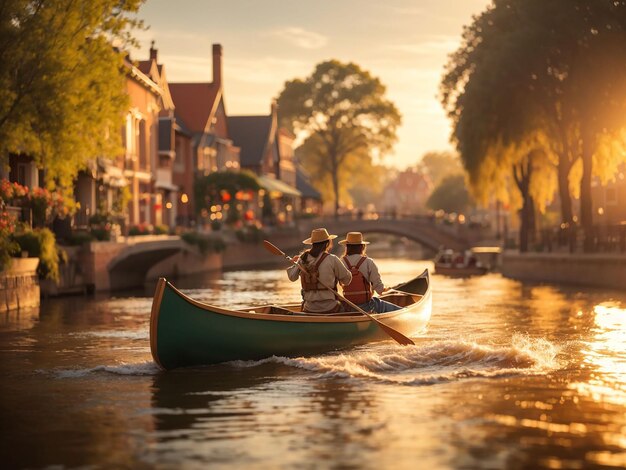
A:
(184, 332)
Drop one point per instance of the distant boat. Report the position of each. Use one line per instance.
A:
(185, 332)
(452, 263)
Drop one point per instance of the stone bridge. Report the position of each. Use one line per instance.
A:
(422, 230)
(127, 264)
(110, 266)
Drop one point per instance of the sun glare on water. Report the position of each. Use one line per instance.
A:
(605, 356)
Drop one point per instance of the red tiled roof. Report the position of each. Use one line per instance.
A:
(194, 102)
(144, 66)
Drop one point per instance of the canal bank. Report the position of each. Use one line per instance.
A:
(108, 266)
(19, 287)
(607, 270)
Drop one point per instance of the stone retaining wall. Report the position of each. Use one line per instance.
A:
(594, 270)
(19, 285)
(184, 264)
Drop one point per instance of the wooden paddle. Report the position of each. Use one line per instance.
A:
(396, 335)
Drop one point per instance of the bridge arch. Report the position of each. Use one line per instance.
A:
(421, 230)
(131, 265)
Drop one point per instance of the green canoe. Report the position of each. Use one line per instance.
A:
(185, 332)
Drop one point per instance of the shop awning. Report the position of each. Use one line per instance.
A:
(274, 185)
(165, 185)
(111, 174)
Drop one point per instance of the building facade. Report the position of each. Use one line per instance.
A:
(267, 151)
(407, 193)
(200, 111)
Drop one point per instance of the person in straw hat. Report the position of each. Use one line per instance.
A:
(365, 276)
(322, 265)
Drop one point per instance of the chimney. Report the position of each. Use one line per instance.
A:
(153, 51)
(217, 64)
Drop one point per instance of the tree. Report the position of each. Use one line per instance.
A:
(450, 195)
(438, 165)
(497, 130)
(543, 76)
(357, 176)
(368, 183)
(343, 112)
(62, 97)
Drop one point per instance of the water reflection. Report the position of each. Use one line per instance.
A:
(605, 356)
(348, 425)
(482, 388)
(190, 398)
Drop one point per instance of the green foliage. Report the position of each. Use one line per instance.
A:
(221, 187)
(41, 243)
(438, 165)
(102, 234)
(343, 110)
(450, 195)
(120, 203)
(161, 230)
(543, 77)
(8, 247)
(100, 225)
(62, 94)
(205, 244)
(79, 238)
(212, 189)
(141, 229)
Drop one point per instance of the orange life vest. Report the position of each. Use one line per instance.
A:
(309, 279)
(359, 290)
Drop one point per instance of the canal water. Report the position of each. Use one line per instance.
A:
(507, 375)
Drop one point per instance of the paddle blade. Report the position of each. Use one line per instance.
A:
(272, 248)
(396, 335)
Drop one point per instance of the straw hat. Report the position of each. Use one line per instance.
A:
(318, 235)
(354, 238)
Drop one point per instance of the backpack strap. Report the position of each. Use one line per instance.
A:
(322, 258)
(358, 265)
(347, 261)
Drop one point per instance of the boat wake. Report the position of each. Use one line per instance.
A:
(143, 334)
(141, 368)
(435, 362)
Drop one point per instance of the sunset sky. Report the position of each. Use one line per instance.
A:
(405, 43)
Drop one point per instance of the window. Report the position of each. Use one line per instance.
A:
(21, 174)
(179, 162)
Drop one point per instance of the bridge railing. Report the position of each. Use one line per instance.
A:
(469, 232)
(603, 239)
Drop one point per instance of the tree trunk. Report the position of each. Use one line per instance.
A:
(523, 231)
(532, 219)
(586, 207)
(527, 228)
(564, 167)
(522, 174)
